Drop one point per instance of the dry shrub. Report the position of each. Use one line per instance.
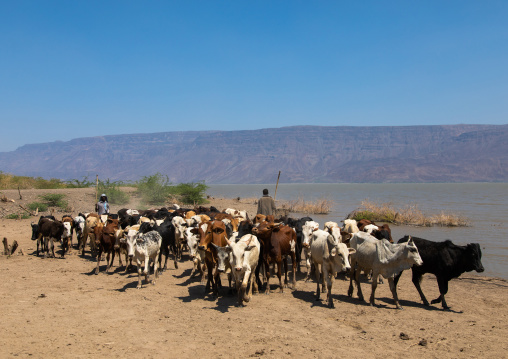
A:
(407, 215)
(318, 206)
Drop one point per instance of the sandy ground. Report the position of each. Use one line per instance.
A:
(58, 308)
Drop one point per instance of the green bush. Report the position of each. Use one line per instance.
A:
(113, 191)
(154, 189)
(54, 200)
(192, 193)
(34, 205)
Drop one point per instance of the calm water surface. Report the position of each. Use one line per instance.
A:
(484, 204)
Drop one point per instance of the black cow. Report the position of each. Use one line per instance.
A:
(168, 244)
(298, 227)
(446, 261)
(49, 231)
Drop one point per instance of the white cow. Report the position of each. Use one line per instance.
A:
(350, 226)
(197, 256)
(369, 228)
(180, 225)
(145, 247)
(332, 256)
(383, 258)
(334, 229)
(245, 257)
(307, 229)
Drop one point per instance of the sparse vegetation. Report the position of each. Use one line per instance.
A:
(42, 207)
(318, 206)
(17, 216)
(158, 190)
(8, 181)
(54, 200)
(113, 191)
(408, 215)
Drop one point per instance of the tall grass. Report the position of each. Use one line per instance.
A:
(158, 190)
(8, 181)
(406, 215)
(299, 205)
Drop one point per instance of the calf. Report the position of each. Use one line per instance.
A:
(278, 241)
(91, 221)
(50, 231)
(106, 241)
(245, 257)
(383, 258)
(332, 256)
(145, 247)
(196, 256)
(307, 229)
(446, 261)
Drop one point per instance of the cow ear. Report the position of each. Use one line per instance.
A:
(352, 250)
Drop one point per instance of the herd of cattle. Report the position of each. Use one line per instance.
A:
(229, 242)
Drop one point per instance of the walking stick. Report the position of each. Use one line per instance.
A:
(277, 185)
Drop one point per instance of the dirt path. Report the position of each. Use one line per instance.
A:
(58, 308)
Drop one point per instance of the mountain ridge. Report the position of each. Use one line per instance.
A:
(310, 154)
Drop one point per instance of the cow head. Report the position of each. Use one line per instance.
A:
(130, 238)
(307, 229)
(35, 231)
(474, 255)
(240, 249)
(222, 257)
(413, 254)
(192, 237)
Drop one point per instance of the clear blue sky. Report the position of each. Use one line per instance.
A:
(73, 69)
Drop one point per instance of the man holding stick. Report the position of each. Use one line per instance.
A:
(266, 204)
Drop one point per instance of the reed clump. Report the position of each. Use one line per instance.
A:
(406, 215)
(299, 205)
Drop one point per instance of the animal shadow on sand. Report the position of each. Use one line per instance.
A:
(411, 304)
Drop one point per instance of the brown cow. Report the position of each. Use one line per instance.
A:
(279, 241)
(212, 232)
(105, 238)
(91, 221)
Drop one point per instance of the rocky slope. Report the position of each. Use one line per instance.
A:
(455, 153)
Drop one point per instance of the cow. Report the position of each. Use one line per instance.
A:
(67, 241)
(383, 258)
(298, 227)
(128, 234)
(245, 256)
(331, 256)
(307, 229)
(212, 232)
(180, 225)
(106, 241)
(91, 221)
(79, 225)
(49, 231)
(145, 247)
(278, 241)
(446, 261)
(196, 256)
(350, 226)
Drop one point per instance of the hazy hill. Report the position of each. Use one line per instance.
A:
(455, 153)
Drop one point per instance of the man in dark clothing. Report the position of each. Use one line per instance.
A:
(266, 204)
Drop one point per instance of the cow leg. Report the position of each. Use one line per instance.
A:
(110, 263)
(417, 280)
(374, 286)
(209, 281)
(140, 271)
(359, 287)
(298, 255)
(98, 260)
(393, 288)
(318, 276)
(351, 278)
(46, 251)
(307, 264)
(443, 289)
(329, 282)
(293, 260)
(146, 271)
(285, 261)
(155, 269)
(268, 275)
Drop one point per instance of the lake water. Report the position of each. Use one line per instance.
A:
(484, 204)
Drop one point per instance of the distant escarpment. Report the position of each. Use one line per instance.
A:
(304, 154)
